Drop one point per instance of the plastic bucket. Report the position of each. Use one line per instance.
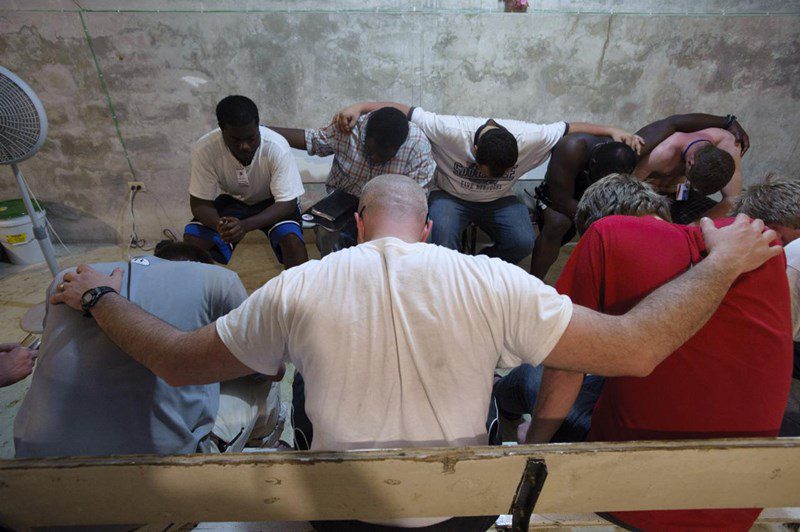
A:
(16, 232)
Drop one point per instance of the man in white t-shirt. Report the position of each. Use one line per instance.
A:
(398, 339)
(776, 200)
(244, 178)
(478, 160)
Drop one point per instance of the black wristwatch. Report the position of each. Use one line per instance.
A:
(731, 119)
(92, 296)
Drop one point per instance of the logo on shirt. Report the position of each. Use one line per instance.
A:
(141, 260)
(472, 173)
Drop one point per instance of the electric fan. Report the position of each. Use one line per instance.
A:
(23, 128)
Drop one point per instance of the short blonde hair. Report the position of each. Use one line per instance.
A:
(776, 200)
(396, 195)
(619, 194)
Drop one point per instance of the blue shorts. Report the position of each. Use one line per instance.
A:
(229, 206)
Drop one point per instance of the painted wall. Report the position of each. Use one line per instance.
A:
(128, 86)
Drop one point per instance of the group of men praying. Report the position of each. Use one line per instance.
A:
(674, 318)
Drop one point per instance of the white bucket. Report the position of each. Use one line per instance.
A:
(16, 235)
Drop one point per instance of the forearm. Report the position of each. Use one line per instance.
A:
(634, 343)
(591, 129)
(124, 323)
(269, 216)
(673, 313)
(557, 394)
(205, 212)
(689, 123)
(180, 358)
(295, 137)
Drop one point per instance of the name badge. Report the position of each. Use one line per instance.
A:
(242, 178)
(682, 193)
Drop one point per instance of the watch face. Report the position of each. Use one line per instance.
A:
(87, 297)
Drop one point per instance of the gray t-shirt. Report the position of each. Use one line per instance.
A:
(88, 398)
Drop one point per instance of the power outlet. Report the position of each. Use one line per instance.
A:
(136, 186)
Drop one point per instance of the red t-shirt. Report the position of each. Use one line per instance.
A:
(731, 379)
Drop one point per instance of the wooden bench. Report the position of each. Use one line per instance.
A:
(381, 484)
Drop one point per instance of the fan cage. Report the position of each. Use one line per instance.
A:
(23, 123)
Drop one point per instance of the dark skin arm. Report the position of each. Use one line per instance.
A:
(568, 159)
(295, 137)
(204, 211)
(658, 131)
(233, 229)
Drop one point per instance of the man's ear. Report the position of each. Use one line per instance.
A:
(474, 150)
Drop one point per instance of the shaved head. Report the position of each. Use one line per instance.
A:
(393, 205)
(394, 195)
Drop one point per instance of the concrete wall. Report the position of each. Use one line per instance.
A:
(128, 86)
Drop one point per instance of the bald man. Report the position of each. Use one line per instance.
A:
(398, 339)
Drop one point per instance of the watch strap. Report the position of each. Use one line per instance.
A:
(96, 294)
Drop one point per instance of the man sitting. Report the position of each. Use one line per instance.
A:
(244, 178)
(580, 159)
(730, 379)
(777, 201)
(688, 167)
(399, 350)
(381, 142)
(89, 398)
(478, 161)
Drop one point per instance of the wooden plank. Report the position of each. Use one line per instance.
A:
(292, 486)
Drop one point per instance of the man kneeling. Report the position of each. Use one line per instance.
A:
(88, 398)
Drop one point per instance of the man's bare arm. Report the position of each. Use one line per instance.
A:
(180, 358)
(568, 159)
(657, 132)
(619, 135)
(205, 211)
(557, 394)
(636, 342)
(295, 137)
(733, 189)
(346, 119)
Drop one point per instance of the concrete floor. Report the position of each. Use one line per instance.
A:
(23, 287)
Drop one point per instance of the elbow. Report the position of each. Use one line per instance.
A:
(644, 363)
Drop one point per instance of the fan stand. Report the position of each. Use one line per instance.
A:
(33, 320)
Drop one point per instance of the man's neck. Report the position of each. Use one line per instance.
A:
(406, 234)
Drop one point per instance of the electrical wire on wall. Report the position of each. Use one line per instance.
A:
(134, 242)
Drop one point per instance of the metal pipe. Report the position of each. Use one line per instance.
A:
(39, 228)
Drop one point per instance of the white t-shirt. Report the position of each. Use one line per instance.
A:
(457, 173)
(792, 251)
(397, 342)
(271, 174)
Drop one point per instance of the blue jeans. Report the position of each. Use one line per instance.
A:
(515, 394)
(505, 220)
